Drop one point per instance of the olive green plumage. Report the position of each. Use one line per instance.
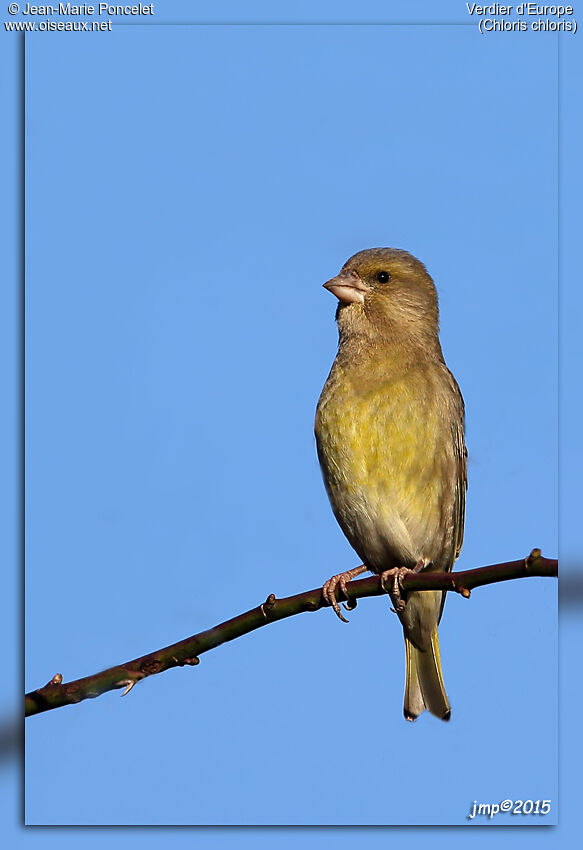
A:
(390, 439)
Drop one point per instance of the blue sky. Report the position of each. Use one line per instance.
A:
(188, 190)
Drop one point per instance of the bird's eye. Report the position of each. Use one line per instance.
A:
(383, 277)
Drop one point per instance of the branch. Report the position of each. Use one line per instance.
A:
(186, 652)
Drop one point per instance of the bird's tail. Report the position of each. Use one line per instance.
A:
(424, 688)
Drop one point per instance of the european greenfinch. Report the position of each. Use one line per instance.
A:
(390, 439)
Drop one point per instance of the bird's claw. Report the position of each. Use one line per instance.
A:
(329, 591)
(392, 583)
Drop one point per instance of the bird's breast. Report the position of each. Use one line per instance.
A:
(386, 455)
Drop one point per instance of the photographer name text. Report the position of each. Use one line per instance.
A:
(85, 10)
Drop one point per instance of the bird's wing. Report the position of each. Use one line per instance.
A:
(461, 478)
(461, 485)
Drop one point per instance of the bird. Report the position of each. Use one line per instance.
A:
(390, 438)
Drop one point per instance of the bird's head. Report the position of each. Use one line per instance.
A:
(385, 293)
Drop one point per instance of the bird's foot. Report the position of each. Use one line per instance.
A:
(392, 583)
(329, 590)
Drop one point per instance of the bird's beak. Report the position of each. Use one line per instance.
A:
(348, 287)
